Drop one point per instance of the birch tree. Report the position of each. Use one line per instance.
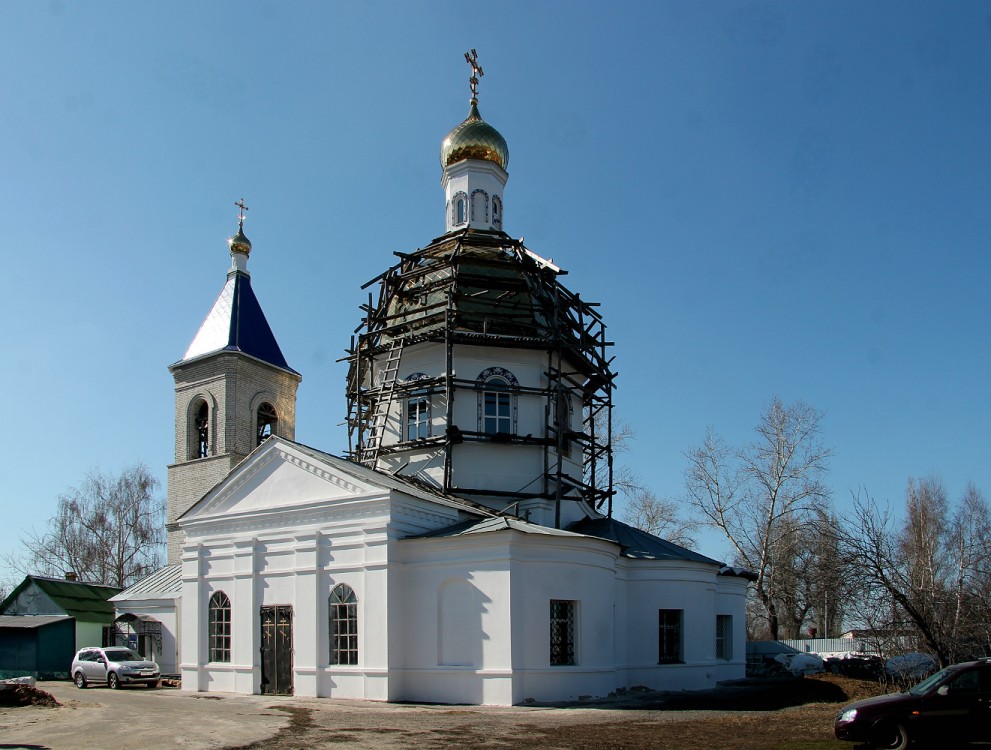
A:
(928, 573)
(109, 530)
(763, 494)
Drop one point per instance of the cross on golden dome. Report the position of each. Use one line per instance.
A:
(476, 72)
(240, 214)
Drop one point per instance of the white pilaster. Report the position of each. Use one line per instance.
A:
(310, 628)
(245, 620)
(193, 640)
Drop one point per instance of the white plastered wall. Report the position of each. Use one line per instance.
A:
(168, 612)
(697, 590)
(506, 581)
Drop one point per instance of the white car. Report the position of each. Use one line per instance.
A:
(113, 666)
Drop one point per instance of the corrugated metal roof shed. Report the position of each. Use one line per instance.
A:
(29, 622)
(165, 583)
(88, 602)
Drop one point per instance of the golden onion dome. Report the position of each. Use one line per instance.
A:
(239, 243)
(474, 139)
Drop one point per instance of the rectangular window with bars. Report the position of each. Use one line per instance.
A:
(563, 632)
(669, 636)
(724, 637)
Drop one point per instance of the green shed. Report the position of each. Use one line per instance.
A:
(44, 621)
(40, 646)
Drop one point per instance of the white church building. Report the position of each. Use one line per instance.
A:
(464, 549)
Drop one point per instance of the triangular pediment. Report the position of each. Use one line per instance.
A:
(280, 475)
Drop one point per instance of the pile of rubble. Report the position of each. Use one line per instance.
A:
(21, 691)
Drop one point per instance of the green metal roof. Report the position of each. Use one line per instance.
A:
(84, 601)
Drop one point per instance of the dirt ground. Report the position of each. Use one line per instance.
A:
(776, 715)
(770, 715)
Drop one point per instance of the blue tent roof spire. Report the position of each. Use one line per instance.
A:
(236, 322)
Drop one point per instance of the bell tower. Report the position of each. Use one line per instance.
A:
(233, 388)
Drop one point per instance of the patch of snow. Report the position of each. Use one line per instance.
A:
(801, 664)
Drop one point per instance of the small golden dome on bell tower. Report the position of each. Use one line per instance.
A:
(239, 242)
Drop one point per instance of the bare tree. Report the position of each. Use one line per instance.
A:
(110, 530)
(762, 495)
(813, 581)
(970, 554)
(830, 580)
(641, 507)
(928, 575)
(658, 516)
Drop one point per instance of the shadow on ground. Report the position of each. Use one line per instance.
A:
(755, 695)
(758, 694)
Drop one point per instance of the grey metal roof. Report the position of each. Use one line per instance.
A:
(164, 583)
(489, 525)
(732, 572)
(236, 323)
(637, 544)
(389, 481)
(29, 622)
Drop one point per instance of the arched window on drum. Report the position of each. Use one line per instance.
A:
(497, 389)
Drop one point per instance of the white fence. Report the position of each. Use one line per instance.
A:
(830, 646)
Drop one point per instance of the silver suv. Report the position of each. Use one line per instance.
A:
(113, 666)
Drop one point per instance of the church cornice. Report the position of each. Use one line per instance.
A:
(274, 520)
(234, 354)
(317, 470)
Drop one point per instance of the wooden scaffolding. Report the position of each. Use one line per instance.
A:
(483, 288)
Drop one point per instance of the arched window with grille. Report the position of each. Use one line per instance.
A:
(343, 616)
(497, 212)
(267, 420)
(220, 627)
(497, 401)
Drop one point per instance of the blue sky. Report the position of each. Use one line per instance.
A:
(765, 197)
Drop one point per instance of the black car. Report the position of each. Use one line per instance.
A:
(951, 706)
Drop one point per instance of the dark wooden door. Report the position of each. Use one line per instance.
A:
(276, 650)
